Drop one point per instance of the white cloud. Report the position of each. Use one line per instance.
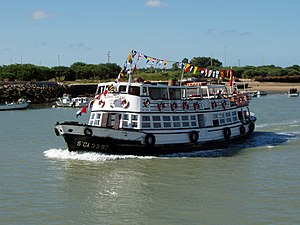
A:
(39, 14)
(155, 3)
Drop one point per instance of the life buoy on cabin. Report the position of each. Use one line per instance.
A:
(146, 103)
(174, 106)
(125, 103)
(88, 132)
(227, 132)
(196, 105)
(224, 104)
(251, 127)
(213, 104)
(194, 136)
(242, 129)
(150, 140)
(185, 105)
(102, 103)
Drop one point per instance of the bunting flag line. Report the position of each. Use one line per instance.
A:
(135, 56)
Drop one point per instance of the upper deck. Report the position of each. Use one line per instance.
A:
(148, 97)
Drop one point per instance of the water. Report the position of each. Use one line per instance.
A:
(256, 182)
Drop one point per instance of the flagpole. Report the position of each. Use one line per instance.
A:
(182, 69)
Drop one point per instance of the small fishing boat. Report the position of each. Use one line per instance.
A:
(157, 119)
(20, 104)
(67, 101)
(293, 92)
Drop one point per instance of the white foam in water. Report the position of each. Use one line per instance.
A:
(87, 156)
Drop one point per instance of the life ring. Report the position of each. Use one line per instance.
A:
(251, 127)
(227, 132)
(194, 136)
(242, 129)
(146, 103)
(196, 105)
(213, 105)
(174, 106)
(102, 103)
(125, 103)
(150, 140)
(224, 104)
(185, 105)
(88, 132)
(56, 131)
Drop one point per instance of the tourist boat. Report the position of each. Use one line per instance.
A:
(293, 92)
(158, 119)
(20, 104)
(67, 101)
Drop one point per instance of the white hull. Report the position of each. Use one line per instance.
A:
(14, 106)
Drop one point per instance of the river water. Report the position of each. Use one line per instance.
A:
(42, 183)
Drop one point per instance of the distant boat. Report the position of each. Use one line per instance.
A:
(261, 93)
(68, 101)
(20, 104)
(293, 92)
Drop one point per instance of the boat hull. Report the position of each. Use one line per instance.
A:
(14, 106)
(137, 146)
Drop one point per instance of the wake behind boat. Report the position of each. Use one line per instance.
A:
(156, 119)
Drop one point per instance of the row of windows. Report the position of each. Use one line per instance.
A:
(164, 121)
(175, 121)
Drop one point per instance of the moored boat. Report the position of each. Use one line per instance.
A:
(20, 104)
(293, 92)
(67, 101)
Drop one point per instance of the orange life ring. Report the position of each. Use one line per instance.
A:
(174, 106)
(102, 103)
(224, 104)
(146, 103)
(125, 103)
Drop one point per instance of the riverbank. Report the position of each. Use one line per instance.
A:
(270, 87)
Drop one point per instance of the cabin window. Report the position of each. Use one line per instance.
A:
(97, 119)
(146, 122)
(185, 121)
(167, 121)
(221, 118)
(234, 116)
(122, 88)
(134, 121)
(156, 121)
(228, 117)
(134, 90)
(145, 93)
(158, 93)
(92, 119)
(193, 121)
(125, 122)
(175, 93)
(176, 121)
(215, 120)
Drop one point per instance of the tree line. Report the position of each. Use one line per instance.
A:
(109, 71)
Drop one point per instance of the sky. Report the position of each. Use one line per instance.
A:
(236, 32)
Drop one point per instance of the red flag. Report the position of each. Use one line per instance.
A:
(231, 79)
(134, 69)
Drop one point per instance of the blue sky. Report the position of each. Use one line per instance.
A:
(236, 32)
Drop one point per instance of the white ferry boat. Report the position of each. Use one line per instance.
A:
(157, 119)
(67, 101)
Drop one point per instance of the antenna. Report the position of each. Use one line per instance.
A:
(108, 56)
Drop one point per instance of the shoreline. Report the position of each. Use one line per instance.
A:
(270, 87)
